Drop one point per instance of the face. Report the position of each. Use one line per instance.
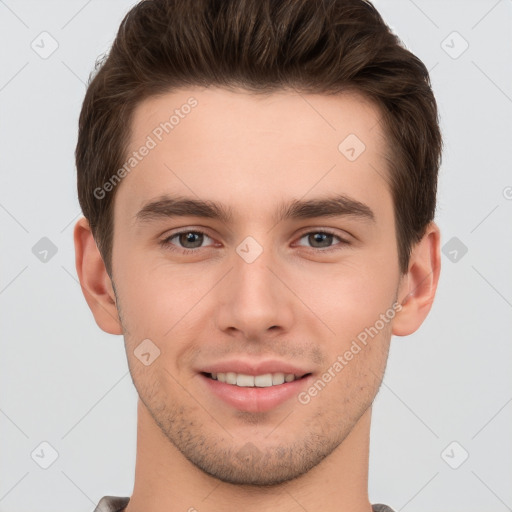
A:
(267, 308)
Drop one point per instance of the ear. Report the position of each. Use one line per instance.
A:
(418, 286)
(94, 279)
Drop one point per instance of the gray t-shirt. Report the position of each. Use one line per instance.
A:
(118, 503)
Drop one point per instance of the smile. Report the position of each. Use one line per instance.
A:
(250, 381)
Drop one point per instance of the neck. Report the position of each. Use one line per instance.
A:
(167, 482)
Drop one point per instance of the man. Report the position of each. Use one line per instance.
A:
(258, 181)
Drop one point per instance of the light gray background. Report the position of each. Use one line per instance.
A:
(64, 381)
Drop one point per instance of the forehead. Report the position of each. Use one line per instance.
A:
(219, 113)
(232, 144)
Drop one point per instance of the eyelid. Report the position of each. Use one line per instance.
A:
(187, 229)
(330, 231)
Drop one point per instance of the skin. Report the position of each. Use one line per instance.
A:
(295, 302)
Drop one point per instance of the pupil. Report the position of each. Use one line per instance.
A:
(189, 237)
(321, 237)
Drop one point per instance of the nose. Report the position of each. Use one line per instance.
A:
(254, 301)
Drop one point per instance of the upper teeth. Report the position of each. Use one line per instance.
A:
(250, 381)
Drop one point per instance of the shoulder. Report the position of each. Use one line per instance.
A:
(112, 504)
(379, 507)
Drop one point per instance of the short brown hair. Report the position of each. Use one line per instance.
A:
(311, 46)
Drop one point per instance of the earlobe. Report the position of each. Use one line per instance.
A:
(94, 279)
(418, 287)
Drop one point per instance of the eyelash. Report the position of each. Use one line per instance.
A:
(166, 243)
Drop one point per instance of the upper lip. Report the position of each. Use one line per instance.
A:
(254, 367)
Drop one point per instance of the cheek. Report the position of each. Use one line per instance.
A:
(350, 297)
(163, 305)
(155, 298)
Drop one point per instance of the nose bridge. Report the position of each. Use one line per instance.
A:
(253, 279)
(254, 299)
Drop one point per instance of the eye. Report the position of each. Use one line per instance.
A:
(322, 240)
(186, 241)
(190, 241)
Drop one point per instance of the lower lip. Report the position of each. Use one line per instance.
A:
(255, 399)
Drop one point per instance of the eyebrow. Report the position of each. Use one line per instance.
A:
(338, 205)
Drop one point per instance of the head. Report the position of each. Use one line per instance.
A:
(304, 125)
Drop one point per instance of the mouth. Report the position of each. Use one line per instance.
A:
(258, 393)
(264, 380)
